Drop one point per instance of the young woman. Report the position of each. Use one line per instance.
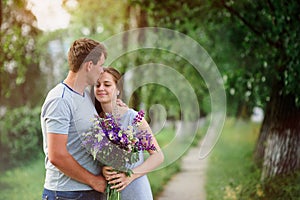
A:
(136, 186)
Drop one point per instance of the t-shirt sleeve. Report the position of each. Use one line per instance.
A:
(57, 116)
(133, 114)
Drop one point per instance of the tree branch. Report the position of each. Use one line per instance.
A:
(272, 9)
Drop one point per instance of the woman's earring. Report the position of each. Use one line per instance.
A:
(118, 93)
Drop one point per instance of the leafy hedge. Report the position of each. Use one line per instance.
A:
(20, 136)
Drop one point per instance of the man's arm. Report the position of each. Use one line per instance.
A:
(64, 161)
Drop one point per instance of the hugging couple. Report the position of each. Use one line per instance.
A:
(89, 90)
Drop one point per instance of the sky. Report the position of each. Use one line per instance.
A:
(50, 14)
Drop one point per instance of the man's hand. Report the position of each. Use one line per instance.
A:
(98, 183)
(121, 103)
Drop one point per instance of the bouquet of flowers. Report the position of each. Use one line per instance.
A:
(115, 146)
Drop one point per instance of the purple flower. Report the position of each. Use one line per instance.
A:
(138, 118)
(114, 146)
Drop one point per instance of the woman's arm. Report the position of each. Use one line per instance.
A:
(156, 156)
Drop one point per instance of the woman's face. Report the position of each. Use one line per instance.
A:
(106, 89)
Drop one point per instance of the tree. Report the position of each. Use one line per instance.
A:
(259, 38)
(20, 76)
(272, 40)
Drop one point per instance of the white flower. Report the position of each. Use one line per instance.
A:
(99, 137)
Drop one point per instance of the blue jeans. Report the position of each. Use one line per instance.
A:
(72, 195)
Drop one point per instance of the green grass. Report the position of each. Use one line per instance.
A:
(23, 182)
(231, 167)
(232, 175)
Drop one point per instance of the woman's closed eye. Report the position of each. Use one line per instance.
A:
(106, 85)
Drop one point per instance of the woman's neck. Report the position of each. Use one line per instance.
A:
(107, 107)
(114, 109)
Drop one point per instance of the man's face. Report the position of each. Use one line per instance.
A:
(97, 70)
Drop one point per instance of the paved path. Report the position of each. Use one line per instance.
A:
(190, 181)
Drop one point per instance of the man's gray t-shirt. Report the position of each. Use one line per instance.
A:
(67, 112)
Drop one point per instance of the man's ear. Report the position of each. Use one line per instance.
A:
(88, 66)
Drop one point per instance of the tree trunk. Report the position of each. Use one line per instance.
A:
(243, 111)
(260, 144)
(1, 62)
(279, 141)
(142, 21)
(126, 27)
(1, 14)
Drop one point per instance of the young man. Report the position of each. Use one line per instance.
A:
(71, 172)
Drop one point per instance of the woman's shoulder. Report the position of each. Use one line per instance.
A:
(126, 112)
(132, 111)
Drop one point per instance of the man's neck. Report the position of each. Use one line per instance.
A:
(75, 82)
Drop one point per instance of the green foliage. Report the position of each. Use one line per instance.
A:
(21, 137)
(163, 95)
(99, 21)
(266, 31)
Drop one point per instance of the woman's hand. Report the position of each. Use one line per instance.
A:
(120, 181)
(107, 172)
(121, 103)
(117, 180)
